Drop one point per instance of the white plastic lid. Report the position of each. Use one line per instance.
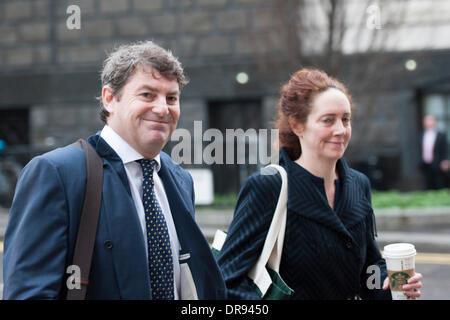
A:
(399, 250)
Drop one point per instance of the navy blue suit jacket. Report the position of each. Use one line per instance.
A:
(43, 223)
(440, 151)
(326, 254)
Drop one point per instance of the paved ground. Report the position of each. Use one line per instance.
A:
(429, 230)
(436, 283)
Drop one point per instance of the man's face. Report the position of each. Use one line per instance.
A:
(146, 111)
(429, 123)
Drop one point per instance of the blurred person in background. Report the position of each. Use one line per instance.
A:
(434, 154)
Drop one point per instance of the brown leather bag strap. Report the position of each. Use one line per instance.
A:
(87, 229)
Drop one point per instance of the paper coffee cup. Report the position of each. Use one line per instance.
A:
(400, 266)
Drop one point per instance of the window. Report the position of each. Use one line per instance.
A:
(14, 126)
(234, 114)
(14, 131)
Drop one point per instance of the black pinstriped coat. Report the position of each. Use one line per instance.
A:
(325, 255)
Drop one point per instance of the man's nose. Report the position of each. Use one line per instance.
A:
(160, 106)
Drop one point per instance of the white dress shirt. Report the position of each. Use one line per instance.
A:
(429, 137)
(133, 169)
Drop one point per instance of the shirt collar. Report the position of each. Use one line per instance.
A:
(126, 153)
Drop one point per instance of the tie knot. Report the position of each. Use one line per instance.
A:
(147, 166)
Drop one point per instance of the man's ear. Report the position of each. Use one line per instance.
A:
(296, 126)
(107, 98)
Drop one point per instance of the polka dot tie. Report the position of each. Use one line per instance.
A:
(159, 250)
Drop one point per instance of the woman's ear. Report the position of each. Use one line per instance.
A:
(296, 126)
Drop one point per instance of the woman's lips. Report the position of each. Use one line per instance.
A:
(336, 143)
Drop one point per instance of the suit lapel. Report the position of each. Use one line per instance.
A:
(203, 269)
(176, 193)
(110, 157)
(125, 233)
(353, 207)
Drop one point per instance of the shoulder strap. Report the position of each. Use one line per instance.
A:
(273, 245)
(279, 221)
(87, 229)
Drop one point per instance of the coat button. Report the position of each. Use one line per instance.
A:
(348, 244)
(108, 244)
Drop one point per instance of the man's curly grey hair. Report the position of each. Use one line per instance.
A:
(123, 61)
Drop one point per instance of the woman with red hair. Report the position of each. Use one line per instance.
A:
(329, 249)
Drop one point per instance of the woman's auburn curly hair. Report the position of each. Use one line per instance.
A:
(296, 102)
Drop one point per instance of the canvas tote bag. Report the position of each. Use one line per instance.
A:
(264, 275)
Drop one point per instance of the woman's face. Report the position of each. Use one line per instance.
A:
(327, 130)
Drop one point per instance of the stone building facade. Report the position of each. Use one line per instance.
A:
(49, 75)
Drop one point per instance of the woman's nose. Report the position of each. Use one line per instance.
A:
(339, 128)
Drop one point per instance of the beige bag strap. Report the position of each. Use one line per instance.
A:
(273, 245)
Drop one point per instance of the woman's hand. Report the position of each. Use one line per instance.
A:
(411, 289)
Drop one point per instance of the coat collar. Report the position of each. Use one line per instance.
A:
(305, 198)
(109, 156)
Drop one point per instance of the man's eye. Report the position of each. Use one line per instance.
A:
(172, 99)
(146, 95)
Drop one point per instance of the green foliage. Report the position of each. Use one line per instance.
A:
(225, 200)
(380, 199)
(416, 199)
(221, 201)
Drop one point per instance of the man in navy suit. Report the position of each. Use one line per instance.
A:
(141, 86)
(434, 154)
